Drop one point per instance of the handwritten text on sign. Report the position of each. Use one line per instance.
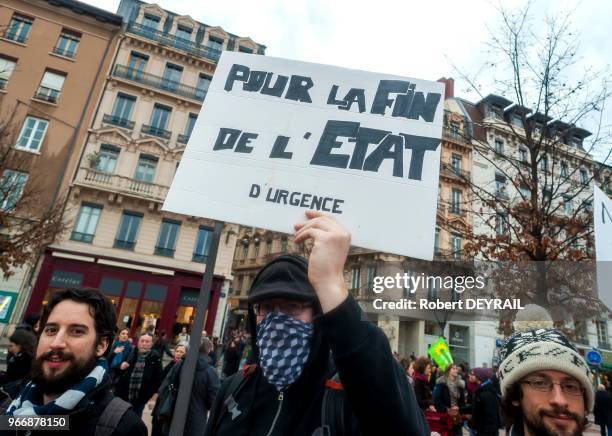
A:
(275, 137)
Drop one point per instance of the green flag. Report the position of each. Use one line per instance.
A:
(440, 353)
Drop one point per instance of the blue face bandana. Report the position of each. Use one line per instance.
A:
(284, 347)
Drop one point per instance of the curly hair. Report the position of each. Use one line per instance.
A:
(421, 363)
(101, 310)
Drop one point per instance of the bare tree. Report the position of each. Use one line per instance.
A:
(27, 224)
(538, 210)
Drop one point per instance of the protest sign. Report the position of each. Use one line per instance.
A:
(276, 137)
(602, 217)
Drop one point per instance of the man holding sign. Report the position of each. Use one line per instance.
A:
(321, 368)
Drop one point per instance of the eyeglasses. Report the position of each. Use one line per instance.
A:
(568, 387)
(292, 308)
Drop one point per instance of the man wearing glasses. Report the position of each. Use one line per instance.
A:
(545, 383)
(321, 369)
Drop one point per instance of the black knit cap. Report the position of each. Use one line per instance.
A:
(283, 277)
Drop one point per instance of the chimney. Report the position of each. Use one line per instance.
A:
(450, 87)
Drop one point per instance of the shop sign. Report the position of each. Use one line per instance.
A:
(65, 279)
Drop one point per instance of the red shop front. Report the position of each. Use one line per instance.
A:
(146, 297)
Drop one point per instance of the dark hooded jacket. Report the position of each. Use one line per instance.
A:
(486, 417)
(378, 398)
(84, 417)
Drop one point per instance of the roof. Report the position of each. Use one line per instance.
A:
(495, 99)
(85, 9)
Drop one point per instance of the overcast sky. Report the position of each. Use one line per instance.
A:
(421, 39)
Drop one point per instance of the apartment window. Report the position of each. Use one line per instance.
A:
(18, 28)
(145, 169)
(499, 147)
(7, 66)
(191, 120)
(107, 159)
(32, 134)
(407, 282)
(122, 110)
(50, 86)
(456, 162)
(160, 116)
(87, 221)
(501, 224)
(546, 195)
(128, 230)
(12, 185)
(172, 77)
(567, 204)
(202, 246)
(564, 170)
(584, 176)
(238, 288)
(166, 242)
(456, 246)
(268, 247)
(522, 154)
(355, 278)
(544, 163)
(517, 121)
(525, 191)
(577, 142)
(203, 85)
(437, 241)
(495, 111)
(454, 128)
(243, 49)
(256, 248)
(432, 290)
(456, 201)
(184, 32)
(588, 206)
(136, 64)
(370, 274)
(602, 334)
(500, 185)
(245, 250)
(215, 43)
(151, 22)
(283, 245)
(67, 43)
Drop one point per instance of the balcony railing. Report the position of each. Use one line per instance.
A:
(121, 184)
(158, 82)
(174, 41)
(454, 171)
(17, 37)
(47, 94)
(164, 251)
(126, 245)
(82, 237)
(156, 131)
(183, 139)
(201, 258)
(64, 52)
(118, 121)
(454, 135)
(502, 195)
(605, 345)
(455, 209)
(3, 83)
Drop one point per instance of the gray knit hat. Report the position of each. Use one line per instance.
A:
(537, 347)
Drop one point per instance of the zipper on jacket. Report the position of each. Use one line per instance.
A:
(281, 396)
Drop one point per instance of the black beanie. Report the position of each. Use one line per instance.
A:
(283, 277)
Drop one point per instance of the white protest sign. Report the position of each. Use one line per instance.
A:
(276, 137)
(602, 217)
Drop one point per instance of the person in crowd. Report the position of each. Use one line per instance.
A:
(410, 373)
(70, 371)
(180, 350)
(422, 387)
(603, 410)
(20, 354)
(161, 346)
(311, 341)
(545, 383)
(486, 418)
(213, 352)
(449, 396)
(31, 323)
(231, 357)
(183, 335)
(140, 374)
(120, 351)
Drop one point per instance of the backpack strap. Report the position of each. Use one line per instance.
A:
(230, 405)
(332, 409)
(112, 414)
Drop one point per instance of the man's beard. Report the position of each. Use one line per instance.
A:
(539, 428)
(58, 383)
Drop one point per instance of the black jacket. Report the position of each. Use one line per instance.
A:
(442, 397)
(18, 366)
(205, 386)
(486, 417)
(378, 395)
(85, 416)
(603, 408)
(422, 390)
(151, 378)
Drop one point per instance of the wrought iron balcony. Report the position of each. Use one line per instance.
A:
(118, 121)
(158, 82)
(183, 139)
(156, 131)
(47, 94)
(3, 83)
(17, 37)
(174, 41)
(449, 169)
(126, 245)
(164, 251)
(82, 237)
(201, 258)
(64, 52)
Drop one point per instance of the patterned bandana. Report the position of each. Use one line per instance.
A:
(24, 404)
(284, 347)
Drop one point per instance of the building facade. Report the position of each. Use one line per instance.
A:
(150, 262)
(53, 56)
